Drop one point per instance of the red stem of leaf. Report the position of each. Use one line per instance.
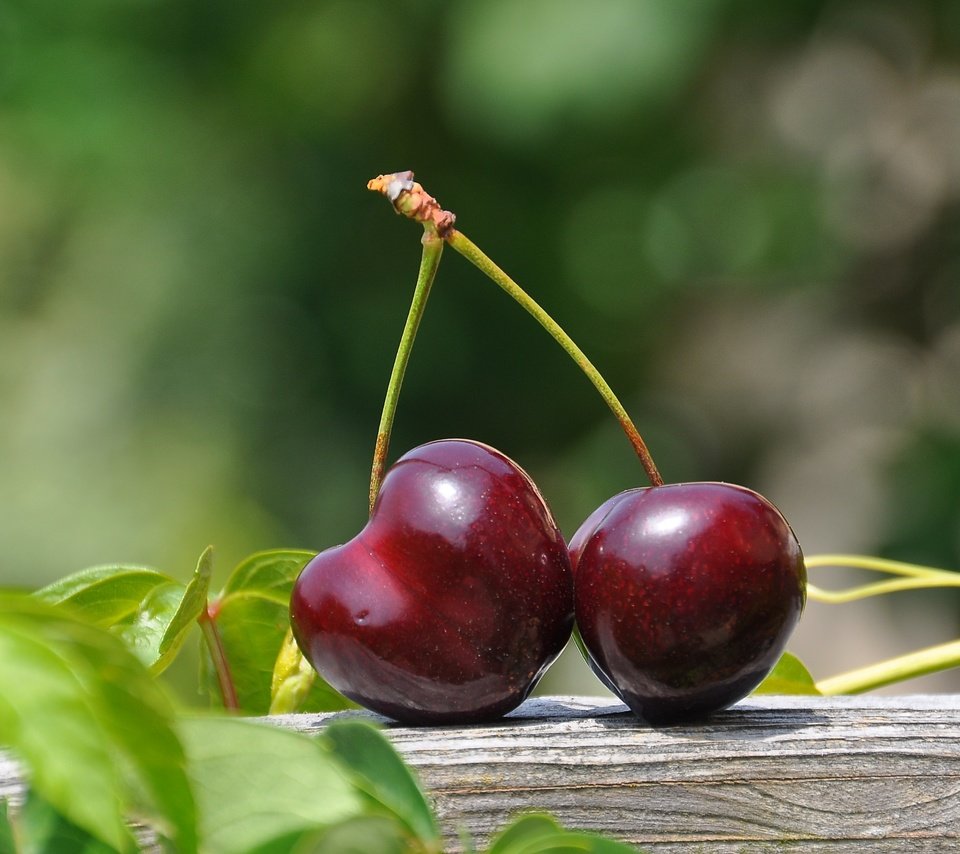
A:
(218, 655)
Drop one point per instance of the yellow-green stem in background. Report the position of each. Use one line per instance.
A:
(930, 660)
(909, 577)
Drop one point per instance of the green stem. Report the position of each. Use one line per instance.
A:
(875, 564)
(476, 256)
(879, 588)
(429, 262)
(929, 660)
(409, 199)
(911, 577)
(218, 655)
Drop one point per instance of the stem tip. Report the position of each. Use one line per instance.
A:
(412, 201)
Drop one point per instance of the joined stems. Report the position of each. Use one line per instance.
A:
(410, 200)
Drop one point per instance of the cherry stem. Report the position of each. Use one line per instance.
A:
(930, 660)
(466, 247)
(218, 655)
(410, 199)
(429, 262)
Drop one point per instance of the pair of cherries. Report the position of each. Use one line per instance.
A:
(460, 591)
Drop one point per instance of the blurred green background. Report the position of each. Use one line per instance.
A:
(746, 213)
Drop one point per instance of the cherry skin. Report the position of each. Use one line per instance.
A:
(454, 598)
(685, 595)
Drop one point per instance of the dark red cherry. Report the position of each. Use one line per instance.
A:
(686, 595)
(452, 601)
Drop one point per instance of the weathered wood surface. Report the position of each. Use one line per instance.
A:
(841, 774)
(838, 774)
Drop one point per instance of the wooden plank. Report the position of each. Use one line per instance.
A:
(832, 775)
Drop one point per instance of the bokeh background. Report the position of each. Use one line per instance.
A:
(747, 213)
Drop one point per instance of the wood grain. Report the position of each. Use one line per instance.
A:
(832, 775)
(812, 774)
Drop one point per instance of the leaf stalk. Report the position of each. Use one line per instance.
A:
(218, 655)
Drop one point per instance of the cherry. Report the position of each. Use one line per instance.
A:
(685, 595)
(454, 598)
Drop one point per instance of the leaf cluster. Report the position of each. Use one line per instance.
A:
(243, 629)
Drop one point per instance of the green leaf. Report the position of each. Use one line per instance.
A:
(136, 604)
(361, 836)
(43, 830)
(524, 830)
(269, 574)
(382, 775)
(380, 834)
(541, 834)
(567, 842)
(256, 784)
(296, 687)
(7, 845)
(91, 725)
(104, 595)
(252, 618)
(144, 632)
(292, 678)
(251, 631)
(192, 605)
(790, 676)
